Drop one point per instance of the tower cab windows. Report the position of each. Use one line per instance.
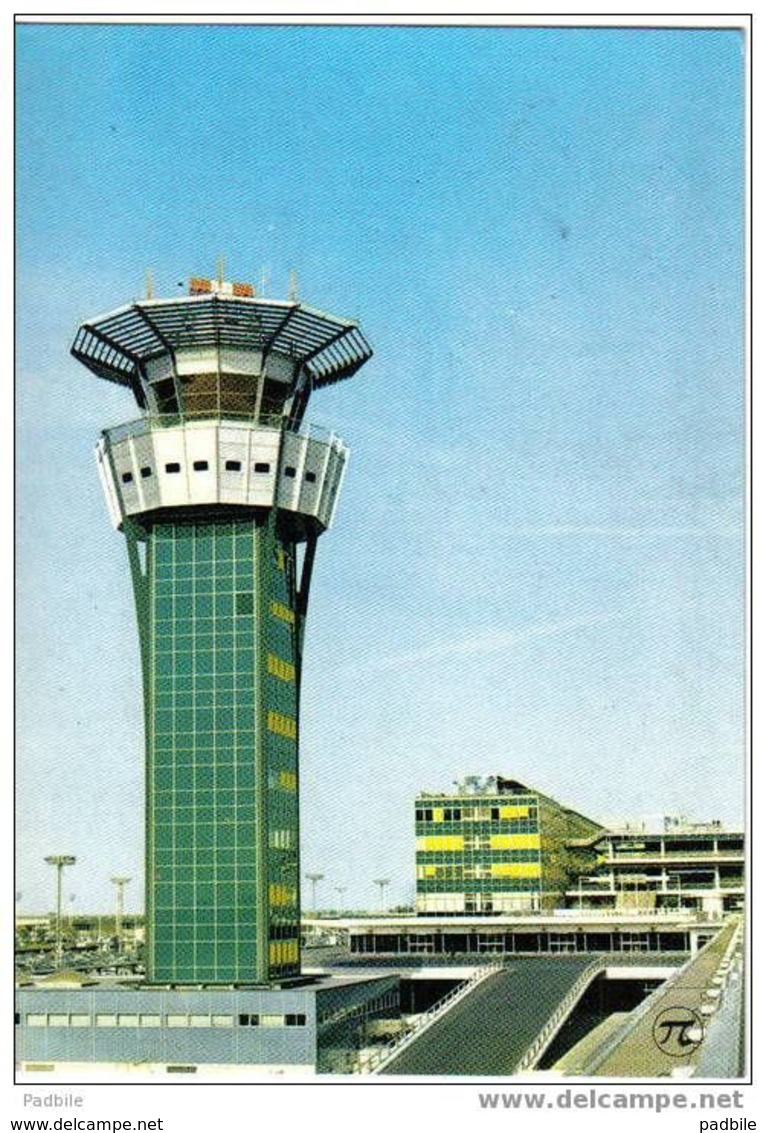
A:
(165, 397)
(216, 393)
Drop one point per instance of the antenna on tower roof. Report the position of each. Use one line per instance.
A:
(264, 280)
(219, 270)
(149, 284)
(292, 287)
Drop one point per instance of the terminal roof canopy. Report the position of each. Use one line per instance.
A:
(116, 346)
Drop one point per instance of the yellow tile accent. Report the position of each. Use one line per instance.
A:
(279, 668)
(515, 869)
(288, 780)
(514, 841)
(280, 895)
(282, 725)
(283, 952)
(441, 842)
(284, 613)
(280, 557)
(438, 814)
(514, 812)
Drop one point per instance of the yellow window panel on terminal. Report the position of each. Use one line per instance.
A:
(440, 842)
(514, 842)
(514, 812)
(288, 780)
(515, 869)
(438, 814)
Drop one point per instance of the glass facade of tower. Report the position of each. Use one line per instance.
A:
(222, 489)
(221, 656)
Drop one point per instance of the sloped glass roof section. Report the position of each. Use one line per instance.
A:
(117, 346)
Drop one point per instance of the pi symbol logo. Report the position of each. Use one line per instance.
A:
(678, 1031)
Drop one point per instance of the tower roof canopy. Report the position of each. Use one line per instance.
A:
(116, 346)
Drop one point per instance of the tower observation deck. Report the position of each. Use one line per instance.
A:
(221, 491)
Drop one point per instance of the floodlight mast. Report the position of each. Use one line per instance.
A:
(221, 492)
(59, 861)
(119, 883)
(314, 879)
(382, 883)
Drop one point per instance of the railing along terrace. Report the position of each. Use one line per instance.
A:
(673, 855)
(545, 1036)
(626, 913)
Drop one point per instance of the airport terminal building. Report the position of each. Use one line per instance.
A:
(684, 866)
(495, 846)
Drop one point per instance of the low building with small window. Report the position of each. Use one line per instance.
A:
(78, 1026)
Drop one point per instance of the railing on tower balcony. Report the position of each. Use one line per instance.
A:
(153, 421)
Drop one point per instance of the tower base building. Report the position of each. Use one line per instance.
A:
(238, 1034)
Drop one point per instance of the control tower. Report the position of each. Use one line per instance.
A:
(221, 492)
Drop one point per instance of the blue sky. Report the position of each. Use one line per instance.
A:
(537, 564)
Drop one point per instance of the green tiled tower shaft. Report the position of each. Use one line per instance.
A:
(221, 491)
(219, 623)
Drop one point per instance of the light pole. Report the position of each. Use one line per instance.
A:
(120, 882)
(340, 890)
(59, 861)
(382, 882)
(314, 878)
